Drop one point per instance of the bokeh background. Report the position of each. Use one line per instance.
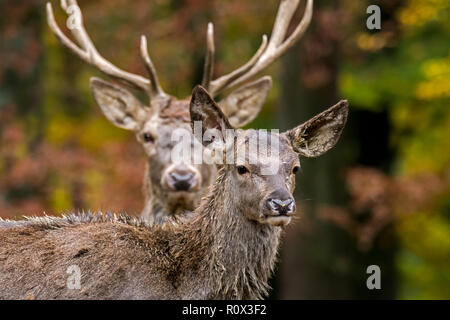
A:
(380, 197)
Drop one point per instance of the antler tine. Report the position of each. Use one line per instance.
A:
(209, 60)
(154, 82)
(61, 36)
(299, 31)
(223, 82)
(285, 12)
(79, 32)
(87, 52)
(276, 47)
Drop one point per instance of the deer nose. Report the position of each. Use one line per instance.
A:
(282, 206)
(181, 180)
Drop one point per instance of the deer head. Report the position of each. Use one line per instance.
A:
(173, 187)
(262, 176)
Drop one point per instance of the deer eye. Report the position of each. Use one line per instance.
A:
(242, 169)
(148, 137)
(295, 169)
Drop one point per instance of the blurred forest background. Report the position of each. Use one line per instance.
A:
(382, 196)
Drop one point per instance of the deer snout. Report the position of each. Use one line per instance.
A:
(182, 180)
(282, 206)
(281, 203)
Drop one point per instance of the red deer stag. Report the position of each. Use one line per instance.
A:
(172, 187)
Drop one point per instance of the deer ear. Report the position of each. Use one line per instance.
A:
(119, 105)
(321, 133)
(243, 105)
(205, 111)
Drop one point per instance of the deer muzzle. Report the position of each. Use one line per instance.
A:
(282, 207)
(280, 203)
(186, 179)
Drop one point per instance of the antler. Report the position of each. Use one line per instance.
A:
(86, 51)
(266, 54)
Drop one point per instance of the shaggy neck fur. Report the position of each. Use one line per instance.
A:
(239, 254)
(216, 254)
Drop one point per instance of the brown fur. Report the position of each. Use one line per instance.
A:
(161, 202)
(226, 251)
(160, 119)
(216, 255)
(163, 116)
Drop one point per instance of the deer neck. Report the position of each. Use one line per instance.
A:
(242, 253)
(156, 210)
(152, 205)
